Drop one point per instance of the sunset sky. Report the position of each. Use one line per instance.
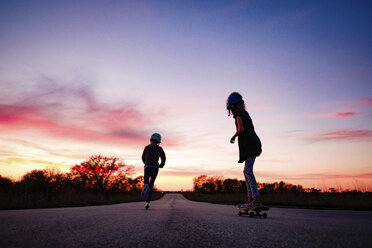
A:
(79, 78)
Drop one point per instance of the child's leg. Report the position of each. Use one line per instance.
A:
(146, 177)
(153, 173)
(250, 179)
(249, 190)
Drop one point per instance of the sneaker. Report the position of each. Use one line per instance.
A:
(147, 206)
(247, 205)
(145, 189)
(259, 204)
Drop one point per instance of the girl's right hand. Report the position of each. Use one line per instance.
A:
(232, 140)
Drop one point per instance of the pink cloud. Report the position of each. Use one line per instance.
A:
(365, 101)
(345, 114)
(344, 109)
(320, 115)
(314, 176)
(343, 135)
(332, 115)
(75, 113)
(36, 121)
(233, 173)
(192, 172)
(334, 176)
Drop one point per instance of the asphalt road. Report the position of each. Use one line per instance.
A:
(174, 221)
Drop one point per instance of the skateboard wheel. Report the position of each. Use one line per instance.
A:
(264, 215)
(251, 214)
(240, 213)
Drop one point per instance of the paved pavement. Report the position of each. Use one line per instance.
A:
(174, 221)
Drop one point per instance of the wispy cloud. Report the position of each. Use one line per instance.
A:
(74, 112)
(33, 161)
(346, 134)
(337, 176)
(92, 127)
(338, 109)
(265, 175)
(356, 107)
(322, 176)
(194, 172)
(345, 114)
(7, 149)
(333, 115)
(367, 102)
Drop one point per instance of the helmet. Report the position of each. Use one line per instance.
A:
(156, 136)
(233, 98)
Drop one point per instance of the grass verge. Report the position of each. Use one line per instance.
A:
(70, 200)
(345, 200)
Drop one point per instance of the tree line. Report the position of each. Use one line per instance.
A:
(209, 185)
(99, 176)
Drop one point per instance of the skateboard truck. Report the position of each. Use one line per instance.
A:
(251, 212)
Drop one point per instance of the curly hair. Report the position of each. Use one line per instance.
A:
(236, 107)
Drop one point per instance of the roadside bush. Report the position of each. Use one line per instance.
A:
(209, 185)
(98, 180)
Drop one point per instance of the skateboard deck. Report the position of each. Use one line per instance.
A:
(253, 211)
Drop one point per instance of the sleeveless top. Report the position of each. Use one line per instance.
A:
(248, 141)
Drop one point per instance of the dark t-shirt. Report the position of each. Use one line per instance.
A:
(151, 155)
(249, 142)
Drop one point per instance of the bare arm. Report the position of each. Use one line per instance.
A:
(240, 129)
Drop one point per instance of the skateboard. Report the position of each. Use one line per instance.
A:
(253, 211)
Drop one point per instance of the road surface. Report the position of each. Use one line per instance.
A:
(174, 221)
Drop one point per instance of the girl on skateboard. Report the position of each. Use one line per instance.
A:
(150, 158)
(249, 145)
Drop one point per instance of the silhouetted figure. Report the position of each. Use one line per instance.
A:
(150, 158)
(249, 144)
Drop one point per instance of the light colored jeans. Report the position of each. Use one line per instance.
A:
(250, 180)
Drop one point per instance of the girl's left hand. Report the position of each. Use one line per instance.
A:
(232, 140)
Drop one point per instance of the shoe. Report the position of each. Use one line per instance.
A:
(145, 189)
(147, 206)
(247, 205)
(256, 204)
